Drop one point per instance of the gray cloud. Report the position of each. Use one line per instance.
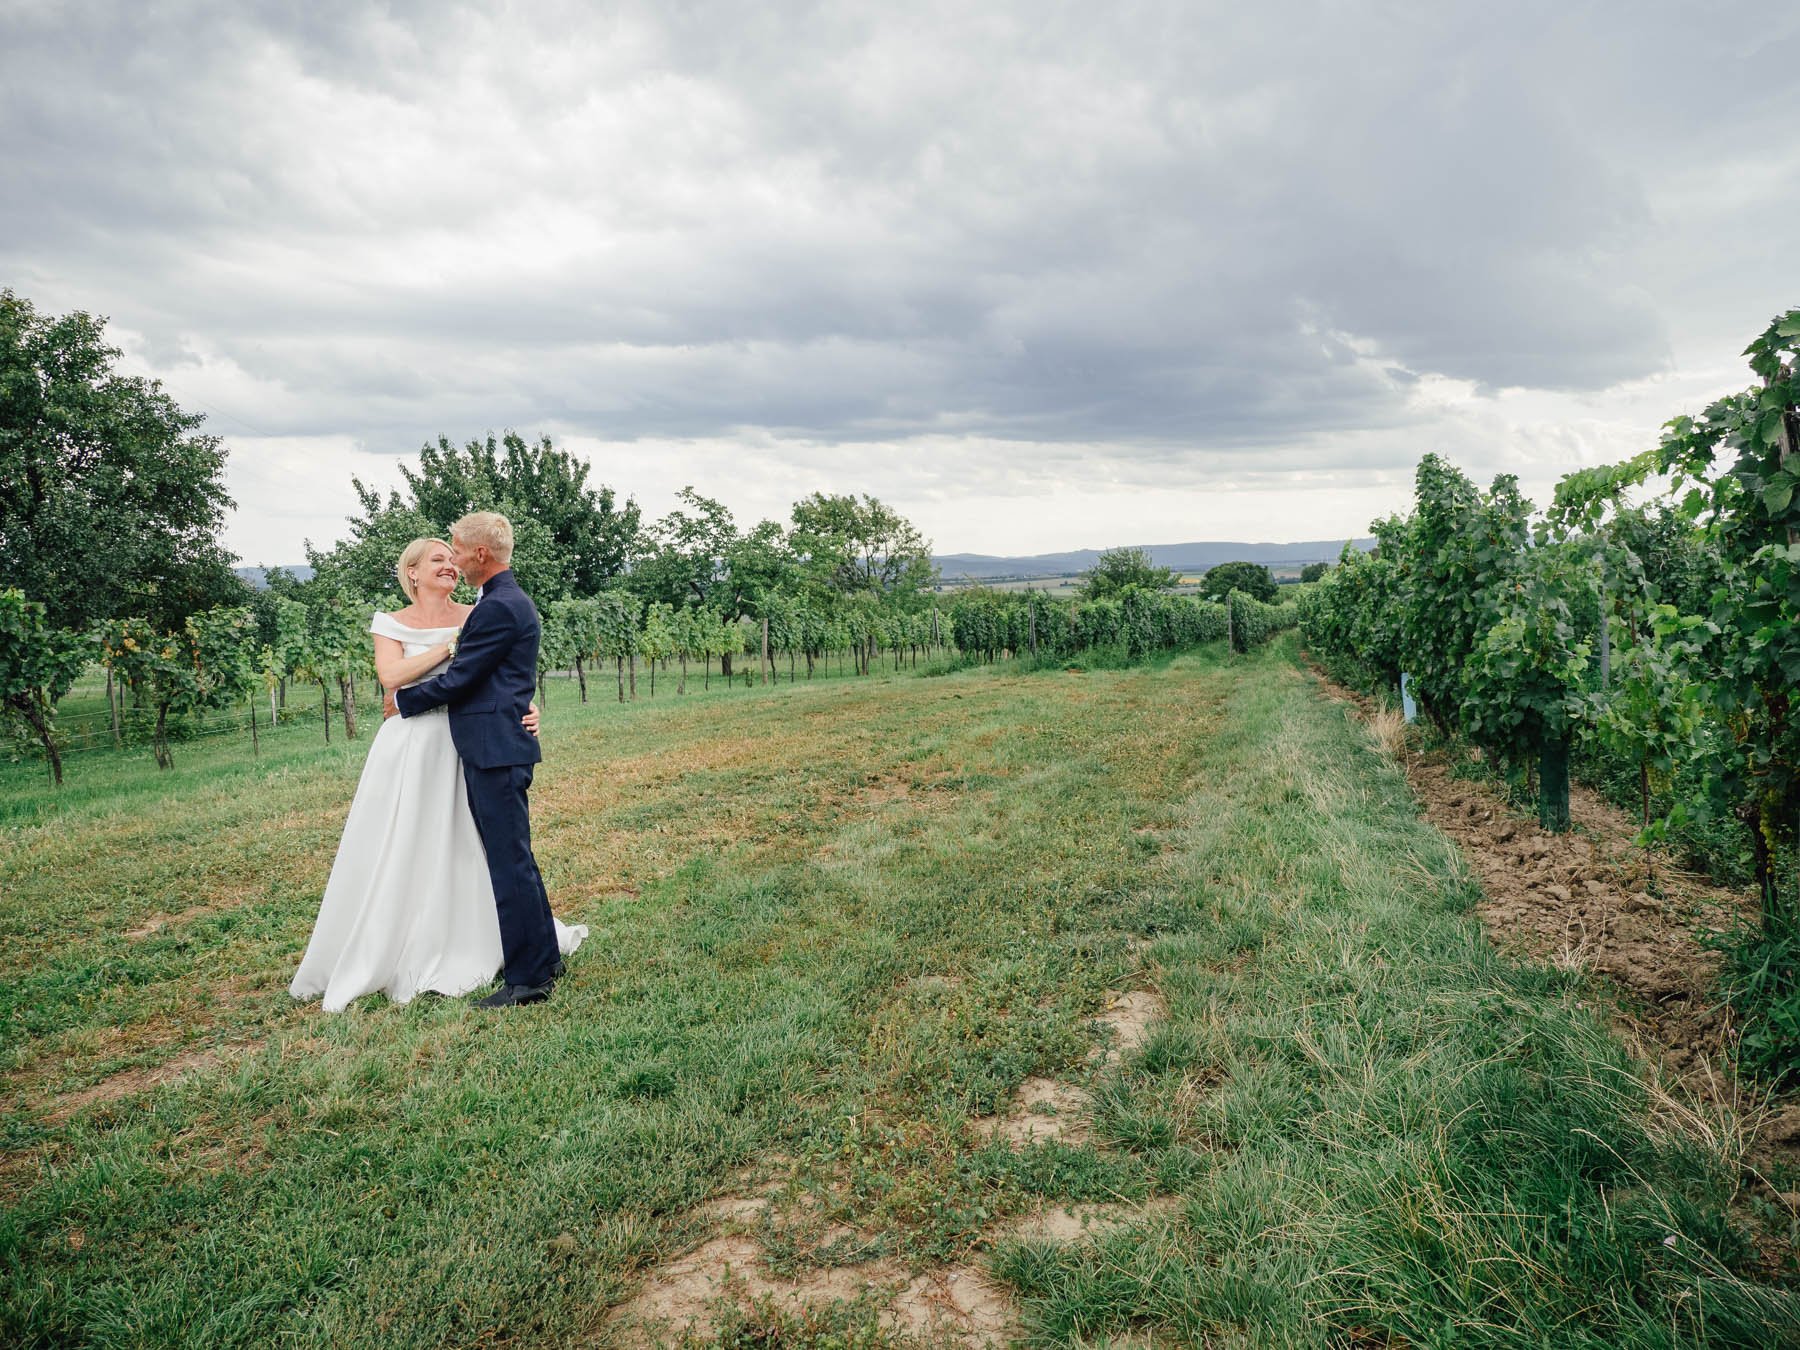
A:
(1164, 236)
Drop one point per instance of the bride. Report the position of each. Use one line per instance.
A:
(409, 905)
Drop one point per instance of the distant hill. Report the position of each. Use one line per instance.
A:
(257, 577)
(1195, 557)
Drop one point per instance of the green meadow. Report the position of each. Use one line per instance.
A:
(835, 926)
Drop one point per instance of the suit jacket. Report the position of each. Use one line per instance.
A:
(491, 680)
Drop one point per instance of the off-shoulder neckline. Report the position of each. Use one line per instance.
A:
(435, 628)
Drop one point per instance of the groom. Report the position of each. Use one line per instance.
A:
(487, 687)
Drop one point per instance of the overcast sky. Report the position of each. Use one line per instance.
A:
(1041, 276)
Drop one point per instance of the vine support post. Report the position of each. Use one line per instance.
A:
(1605, 630)
(768, 665)
(1553, 785)
(112, 710)
(1790, 455)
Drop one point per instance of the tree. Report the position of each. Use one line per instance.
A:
(1119, 568)
(1314, 571)
(1252, 579)
(37, 665)
(569, 539)
(759, 564)
(688, 555)
(363, 561)
(855, 546)
(697, 556)
(590, 534)
(110, 499)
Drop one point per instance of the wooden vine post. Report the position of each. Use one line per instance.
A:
(1790, 458)
(1605, 632)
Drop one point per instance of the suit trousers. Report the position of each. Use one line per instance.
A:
(499, 802)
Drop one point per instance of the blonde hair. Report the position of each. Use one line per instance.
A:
(409, 559)
(489, 530)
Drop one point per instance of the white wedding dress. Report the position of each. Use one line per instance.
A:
(409, 905)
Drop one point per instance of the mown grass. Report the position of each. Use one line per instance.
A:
(1378, 1129)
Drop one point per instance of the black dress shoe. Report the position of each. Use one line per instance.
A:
(556, 971)
(514, 995)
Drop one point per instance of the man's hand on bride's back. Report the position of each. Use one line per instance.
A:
(530, 720)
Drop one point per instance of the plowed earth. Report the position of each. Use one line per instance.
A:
(1592, 900)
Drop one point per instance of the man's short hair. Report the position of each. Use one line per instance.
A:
(488, 529)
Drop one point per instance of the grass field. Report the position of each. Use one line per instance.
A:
(834, 929)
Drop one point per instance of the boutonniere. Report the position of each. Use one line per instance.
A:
(455, 638)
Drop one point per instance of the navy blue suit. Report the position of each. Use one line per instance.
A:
(487, 688)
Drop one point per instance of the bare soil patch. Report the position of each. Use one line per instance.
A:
(687, 1294)
(155, 923)
(1587, 900)
(1128, 1018)
(1077, 1223)
(687, 1297)
(884, 791)
(132, 1082)
(954, 1303)
(1043, 1109)
(1048, 1108)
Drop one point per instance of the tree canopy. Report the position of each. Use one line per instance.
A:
(1252, 579)
(1118, 569)
(685, 558)
(858, 545)
(569, 539)
(111, 499)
